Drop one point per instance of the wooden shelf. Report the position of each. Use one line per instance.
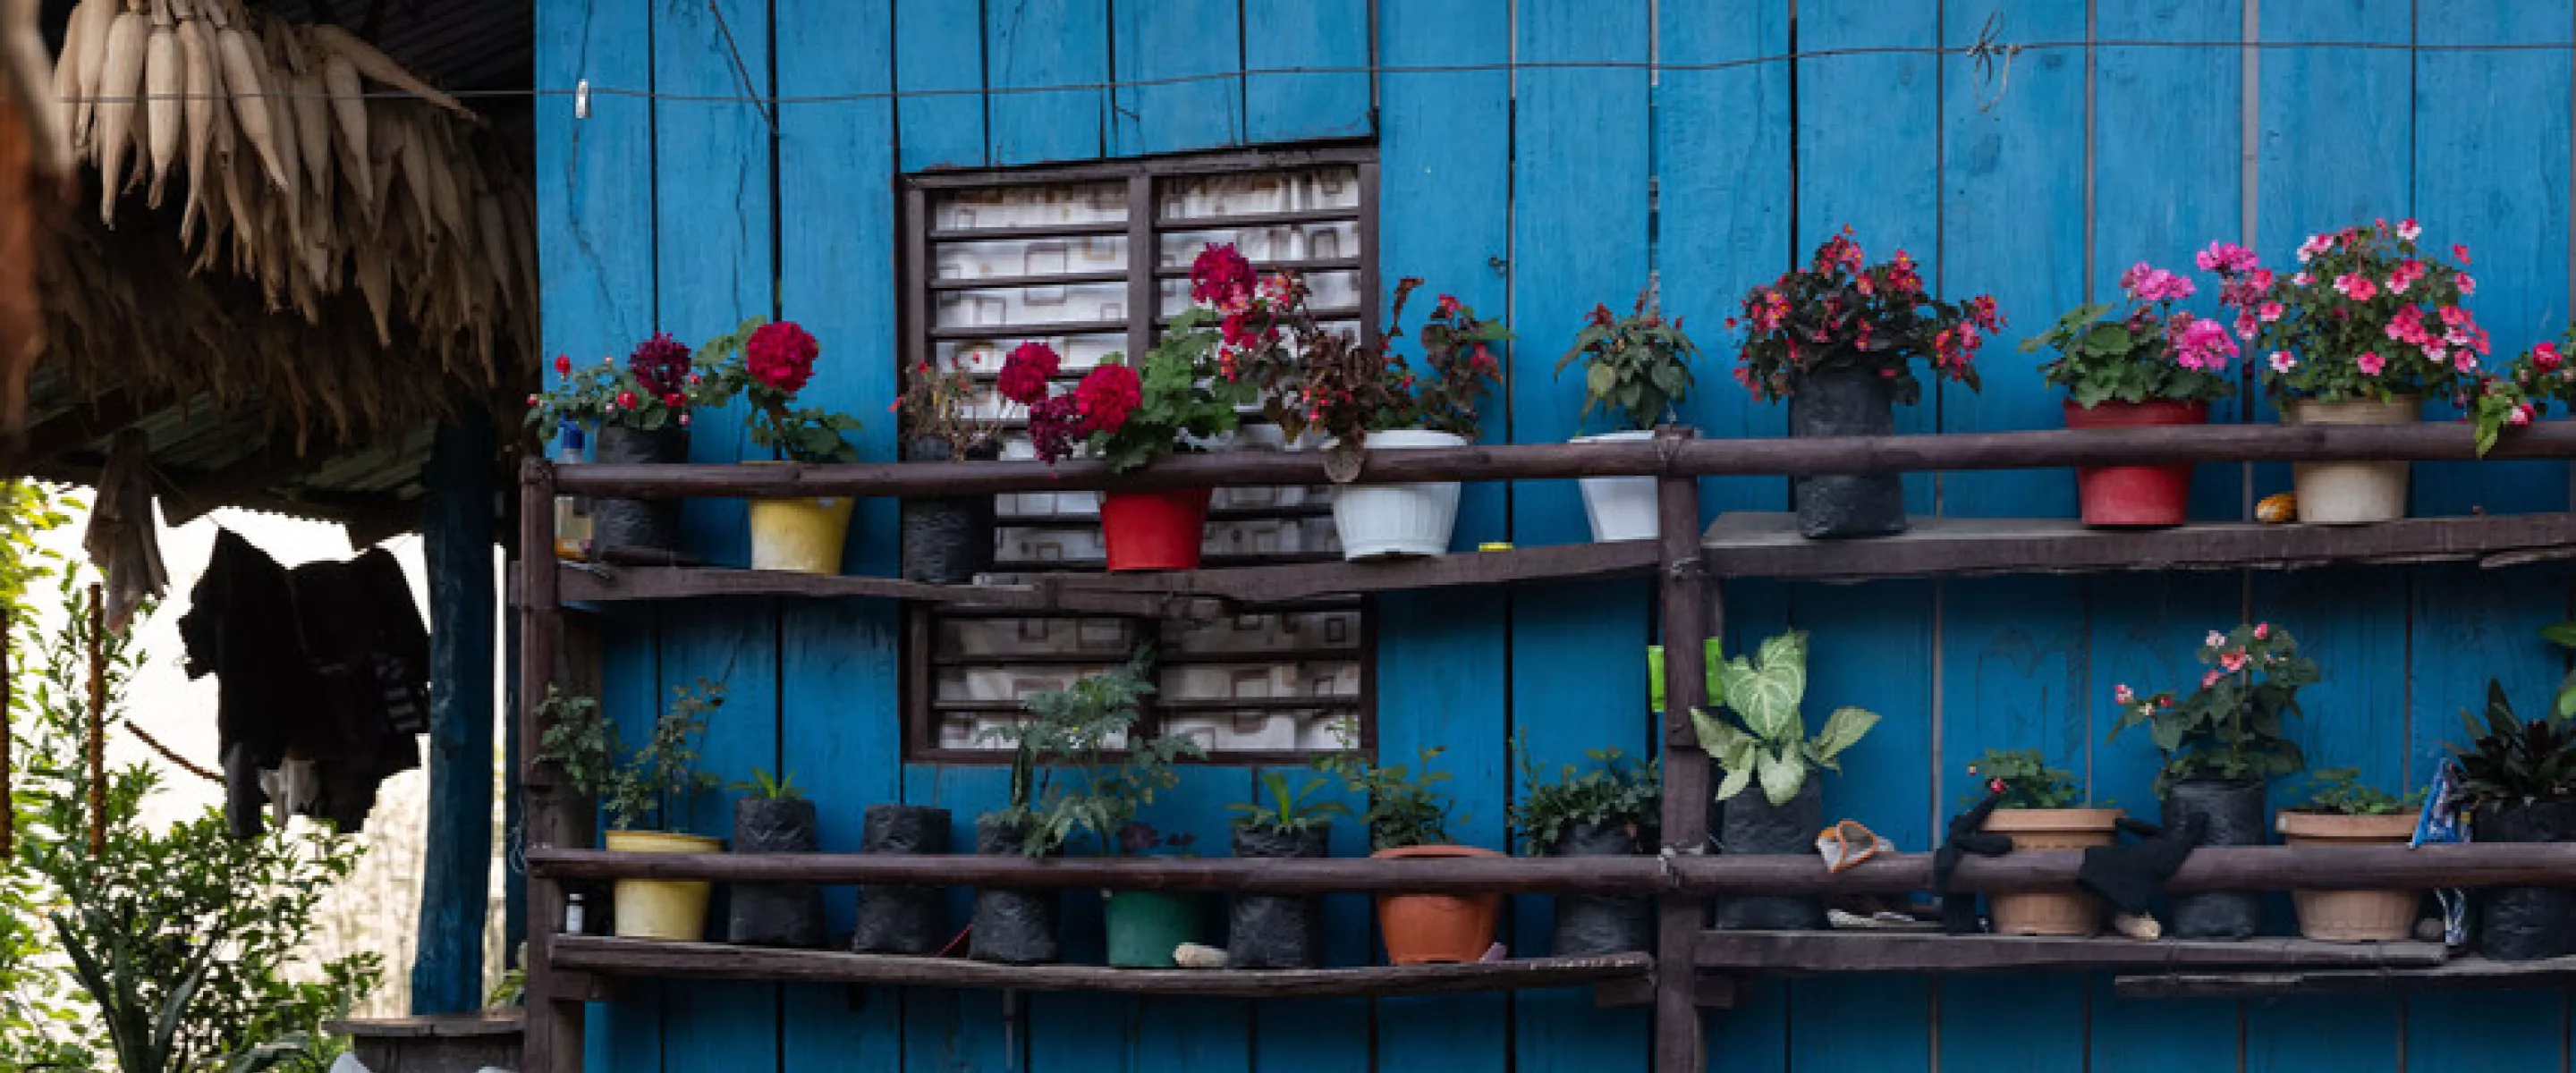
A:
(1748, 544)
(699, 961)
(1828, 951)
(596, 584)
(2467, 973)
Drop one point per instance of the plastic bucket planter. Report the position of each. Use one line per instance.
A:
(1145, 926)
(2134, 496)
(2056, 912)
(1384, 520)
(2351, 916)
(1620, 508)
(1159, 530)
(1432, 929)
(673, 910)
(2351, 493)
(800, 535)
(1842, 398)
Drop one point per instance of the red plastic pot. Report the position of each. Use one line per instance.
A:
(1154, 530)
(2134, 496)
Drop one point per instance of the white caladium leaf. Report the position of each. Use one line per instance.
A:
(1737, 778)
(1782, 774)
(1843, 729)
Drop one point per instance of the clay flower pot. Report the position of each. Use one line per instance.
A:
(1431, 929)
(2351, 916)
(2056, 912)
(2134, 496)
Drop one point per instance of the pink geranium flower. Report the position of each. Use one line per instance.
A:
(2356, 286)
(2370, 363)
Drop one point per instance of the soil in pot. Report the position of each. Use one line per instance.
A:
(1589, 924)
(2056, 912)
(950, 539)
(1844, 399)
(668, 909)
(774, 914)
(1145, 926)
(1749, 823)
(2527, 923)
(1013, 927)
(2350, 493)
(639, 531)
(902, 919)
(1390, 520)
(2134, 496)
(1621, 508)
(2352, 916)
(1277, 931)
(2233, 810)
(1434, 929)
(1159, 530)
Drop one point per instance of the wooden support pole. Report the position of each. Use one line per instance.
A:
(554, 1032)
(1678, 1036)
(456, 867)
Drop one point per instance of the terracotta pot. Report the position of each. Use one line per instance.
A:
(1159, 530)
(2351, 916)
(1431, 929)
(2134, 496)
(2057, 912)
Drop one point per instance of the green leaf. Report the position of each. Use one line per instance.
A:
(1843, 729)
(1737, 778)
(1782, 774)
(1716, 738)
(2562, 634)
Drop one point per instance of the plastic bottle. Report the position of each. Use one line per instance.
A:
(572, 513)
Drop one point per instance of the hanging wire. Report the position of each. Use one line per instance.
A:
(1993, 58)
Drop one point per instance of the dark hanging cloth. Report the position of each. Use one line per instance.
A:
(2129, 876)
(1967, 835)
(326, 663)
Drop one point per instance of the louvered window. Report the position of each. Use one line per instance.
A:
(995, 259)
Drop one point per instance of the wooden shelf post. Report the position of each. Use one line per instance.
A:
(1687, 604)
(554, 1022)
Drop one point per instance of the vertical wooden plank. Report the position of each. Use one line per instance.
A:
(2301, 1033)
(936, 47)
(724, 1024)
(1580, 177)
(1326, 1033)
(958, 1031)
(1188, 57)
(838, 667)
(1722, 172)
(627, 1034)
(2491, 137)
(1031, 43)
(1429, 697)
(1281, 35)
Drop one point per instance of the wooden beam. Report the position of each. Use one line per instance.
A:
(1767, 545)
(2054, 449)
(593, 583)
(1684, 593)
(2212, 868)
(1827, 951)
(701, 961)
(555, 1014)
(1300, 581)
(456, 862)
(2459, 974)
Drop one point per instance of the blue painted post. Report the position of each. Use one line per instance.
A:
(456, 866)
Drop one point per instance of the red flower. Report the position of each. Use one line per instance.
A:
(625, 400)
(674, 400)
(1053, 426)
(1106, 396)
(1026, 371)
(660, 363)
(781, 355)
(563, 365)
(1221, 277)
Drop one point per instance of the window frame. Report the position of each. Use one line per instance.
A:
(1143, 229)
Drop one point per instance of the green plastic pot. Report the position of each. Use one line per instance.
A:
(1145, 926)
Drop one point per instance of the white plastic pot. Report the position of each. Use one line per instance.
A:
(2351, 493)
(1621, 508)
(1385, 520)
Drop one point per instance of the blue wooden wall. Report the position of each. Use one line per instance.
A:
(1541, 191)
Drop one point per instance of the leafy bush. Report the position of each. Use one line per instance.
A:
(1619, 790)
(1405, 808)
(2512, 762)
(1637, 365)
(1081, 729)
(644, 789)
(2233, 726)
(2339, 791)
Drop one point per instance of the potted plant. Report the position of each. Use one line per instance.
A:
(1772, 746)
(769, 363)
(947, 540)
(2136, 364)
(1636, 369)
(2517, 780)
(1175, 399)
(641, 792)
(1408, 818)
(641, 411)
(2515, 397)
(773, 816)
(901, 919)
(1280, 931)
(2367, 327)
(1611, 810)
(1076, 729)
(1363, 396)
(2219, 745)
(2344, 811)
(2042, 808)
(1837, 339)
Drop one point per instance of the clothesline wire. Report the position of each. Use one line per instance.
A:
(1982, 50)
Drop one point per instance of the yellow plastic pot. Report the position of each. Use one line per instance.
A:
(802, 535)
(674, 910)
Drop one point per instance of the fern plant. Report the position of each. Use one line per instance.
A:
(1772, 746)
(1086, 730)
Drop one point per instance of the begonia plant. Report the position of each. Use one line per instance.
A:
(1842, 312)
